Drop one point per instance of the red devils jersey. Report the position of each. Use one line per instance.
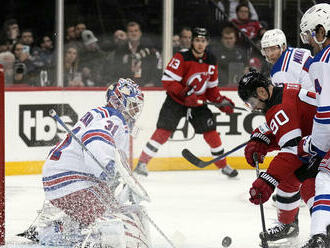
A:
(290, 117)
(185, 70)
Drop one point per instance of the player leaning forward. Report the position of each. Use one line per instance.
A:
(315, 28)
(86, 206)
(289, 112)
(190, 78)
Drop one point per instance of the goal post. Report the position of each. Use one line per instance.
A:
(2, 156)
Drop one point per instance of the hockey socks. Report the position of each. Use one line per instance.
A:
(159, 137)
(213, 139)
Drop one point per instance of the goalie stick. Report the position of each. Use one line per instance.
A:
(200, 163)
(123, 170)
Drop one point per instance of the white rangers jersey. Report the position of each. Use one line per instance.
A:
(292, 67)
(319, 72)
(69, 168)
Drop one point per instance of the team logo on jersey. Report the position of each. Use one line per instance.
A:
(37, 128)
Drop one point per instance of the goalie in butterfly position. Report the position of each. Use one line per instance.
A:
(89, 206)
(289, 112)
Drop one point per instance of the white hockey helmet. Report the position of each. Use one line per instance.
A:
(273, 37)
(126, 96)
(319, 14)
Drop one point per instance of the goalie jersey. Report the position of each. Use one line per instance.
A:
(69, 168)
(292, 67)
(320, 76)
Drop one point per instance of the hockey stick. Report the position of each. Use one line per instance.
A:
(127, 176)
(200, 163)
(219, 105)
(264, 243)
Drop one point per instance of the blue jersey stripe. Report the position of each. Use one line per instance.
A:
(98, 138)
(321, 208)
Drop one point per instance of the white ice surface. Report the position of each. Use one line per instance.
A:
(205, 206)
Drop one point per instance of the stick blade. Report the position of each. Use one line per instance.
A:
(193, 159)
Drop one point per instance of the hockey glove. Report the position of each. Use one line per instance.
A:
(226, 105)
(307, 152)
(259, 143)
(262, 188)
(192, 101)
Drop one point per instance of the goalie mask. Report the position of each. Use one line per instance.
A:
(247, 89)
(126, 97)
(271, 38)
(314, 17)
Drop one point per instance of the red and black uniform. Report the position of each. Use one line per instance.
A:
(187, 81)
(290, 117)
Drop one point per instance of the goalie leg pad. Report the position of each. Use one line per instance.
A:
(85, 206)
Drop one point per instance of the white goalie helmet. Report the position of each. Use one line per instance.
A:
(273, 37)
(319, 14)
(127, 97)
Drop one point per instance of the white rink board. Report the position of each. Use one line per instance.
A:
(26, 116)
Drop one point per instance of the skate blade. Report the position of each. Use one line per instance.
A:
(283, 243)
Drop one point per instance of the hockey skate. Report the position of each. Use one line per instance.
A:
(282, 235)
(228, 171)
(30, 234)
(319, 240)
(141, 169)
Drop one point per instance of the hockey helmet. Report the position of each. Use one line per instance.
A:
(200, 32)
(273, 37)
(248, 85)
(318, 15)
(126, 96)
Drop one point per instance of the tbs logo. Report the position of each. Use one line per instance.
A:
(37, 128)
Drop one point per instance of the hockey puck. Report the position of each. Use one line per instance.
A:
(226, 242)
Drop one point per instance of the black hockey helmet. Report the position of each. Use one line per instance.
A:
(200, 32)
(250, 82)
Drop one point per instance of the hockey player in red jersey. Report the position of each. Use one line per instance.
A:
(289, 112)
(190, 78)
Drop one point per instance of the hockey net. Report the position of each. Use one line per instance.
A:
(2, 156)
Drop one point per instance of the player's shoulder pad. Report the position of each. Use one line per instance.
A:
(323, 56)
(108, 112)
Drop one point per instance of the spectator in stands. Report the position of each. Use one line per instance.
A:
(72, 77)
(27, 40)
(7, 59)
(47, 72)
(11, 32)
(119, 40)
(4, 45)
(92, 60)
(26, 68)
(252, 28)
(70, 34)
(79, 28)
(175, 41)
(229, 8)
(138, 59)
(185, 39)
(231, 58)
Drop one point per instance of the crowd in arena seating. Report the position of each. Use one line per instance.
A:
(90, 61)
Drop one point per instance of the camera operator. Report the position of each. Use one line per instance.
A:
(25, 71)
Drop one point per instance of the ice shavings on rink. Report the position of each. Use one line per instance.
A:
(203, 206)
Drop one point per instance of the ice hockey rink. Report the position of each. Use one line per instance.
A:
(200, 206)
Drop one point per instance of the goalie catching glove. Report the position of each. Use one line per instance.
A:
(262, 188)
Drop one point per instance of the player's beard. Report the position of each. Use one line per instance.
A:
(198, 52)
